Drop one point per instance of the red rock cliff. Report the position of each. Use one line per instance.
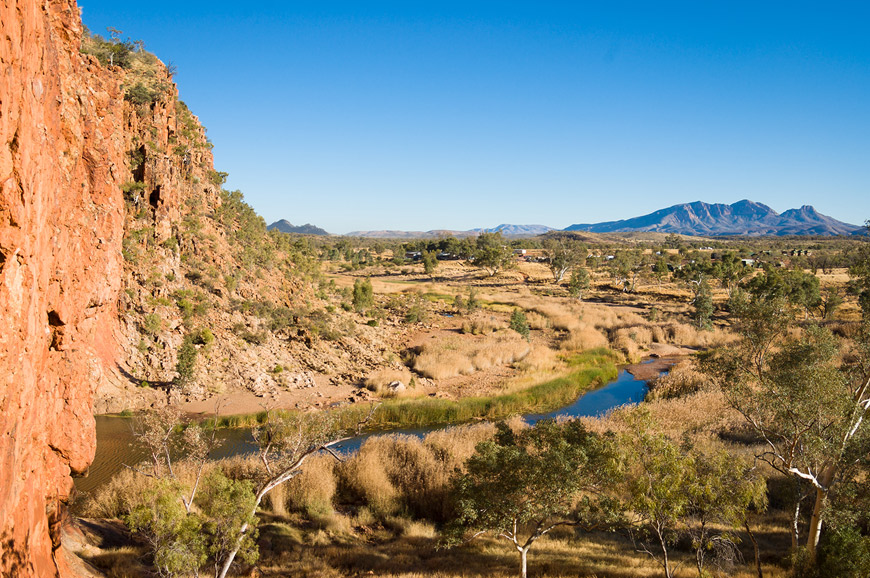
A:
(61, 227)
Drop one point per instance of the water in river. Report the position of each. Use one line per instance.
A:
(115, 443)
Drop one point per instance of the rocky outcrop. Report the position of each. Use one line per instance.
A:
(286, 226)
(62, 161)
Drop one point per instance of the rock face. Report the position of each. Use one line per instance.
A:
(61, 227)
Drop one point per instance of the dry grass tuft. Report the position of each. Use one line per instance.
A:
(682, 379)
(453, 446)
(538, 321)
(379, 381)
(690, 336)
(313, 491)
(540, 358)
(123, 562)
(583, 337)
(700, 414)
(454, 356)
(482, 324)
(366, 479)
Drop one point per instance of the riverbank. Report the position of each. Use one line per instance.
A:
(586, 370)
(593, 371)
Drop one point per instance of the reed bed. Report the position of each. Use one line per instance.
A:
(587, 369)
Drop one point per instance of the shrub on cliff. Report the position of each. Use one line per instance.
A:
(140, 94)
(186, 363)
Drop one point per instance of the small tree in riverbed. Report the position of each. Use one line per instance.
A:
(519, 323)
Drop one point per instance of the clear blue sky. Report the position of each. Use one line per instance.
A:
(420, 115)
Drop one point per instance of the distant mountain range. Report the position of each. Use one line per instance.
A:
(741, 218)
(698, 218)
(517, 230)
(506, 230)
(287, 227)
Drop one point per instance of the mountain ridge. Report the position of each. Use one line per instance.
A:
(508, 230)
(286, 226)
(697, 218)
(744, 217)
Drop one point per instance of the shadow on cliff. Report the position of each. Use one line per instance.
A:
(162, 385)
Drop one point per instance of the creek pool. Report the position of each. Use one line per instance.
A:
(116, 445)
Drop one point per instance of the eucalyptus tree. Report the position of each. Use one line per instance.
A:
(802, 400)
(285, 441)
(579, 282)
(671, 489)
(491, 252)
(519, 486)
(563, 255)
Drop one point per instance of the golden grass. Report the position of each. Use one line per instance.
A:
(625, 329)
(123, 562)
(682, 379)
(403, 553)
(703, 413)
(582, 337)
(452, 446)
(539, 359)
(453, 356)
(379, 381)
(399, 473)
(482, 324)
(364, 477)
(312, 491)
(538, 321)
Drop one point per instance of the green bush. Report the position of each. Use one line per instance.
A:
(152, 324)
(519, 323)
(186, 360)
(363, 294)
(141, 95)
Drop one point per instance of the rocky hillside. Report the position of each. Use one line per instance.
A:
(212, 302)
(128, 275)
(741, 218)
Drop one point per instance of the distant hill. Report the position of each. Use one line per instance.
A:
(741, 218)
(518, 230)
(392, 234)
(287, 227)
(506, 230)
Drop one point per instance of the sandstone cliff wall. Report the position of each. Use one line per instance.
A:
(61, 226)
